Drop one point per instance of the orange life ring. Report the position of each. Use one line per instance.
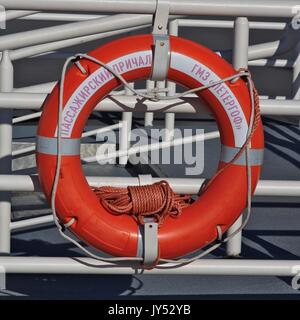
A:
(191, 65)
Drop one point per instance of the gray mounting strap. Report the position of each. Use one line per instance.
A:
(161, 55)
(161, 17)
(151, 251)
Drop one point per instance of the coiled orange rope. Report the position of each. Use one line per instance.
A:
(156, 200)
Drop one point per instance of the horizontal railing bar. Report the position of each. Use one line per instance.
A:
(131, 151)
(45, 16)
(27, 117)
(288, 41)
(22, 151)
(18, 14)
(16, 225)
(37, 88)
(262, 97)
(71, 30)
(56, 45)
(47, 88)
(122, 103)
(192, 185)
(38, 114)
(279, 63)
(261, 8)
(30, 183)
(80, 265)
(102, 130)
(258, 51)
(153, 146)
(20, 100)
(179, 185)
(89, 133)
(229, 24)
(275, 63)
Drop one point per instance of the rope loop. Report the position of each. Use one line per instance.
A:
(255, 117)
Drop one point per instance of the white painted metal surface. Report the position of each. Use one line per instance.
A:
(258, 8)
(272, 188)
(6, 85)
(239, 60)
(78, 265)
(188, 104)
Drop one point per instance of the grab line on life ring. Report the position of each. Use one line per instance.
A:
(233, 146)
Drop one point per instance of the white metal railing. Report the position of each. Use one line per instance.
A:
(79, 265)
(83, 28)
(30, 183)
(256, 8)
(187, 104)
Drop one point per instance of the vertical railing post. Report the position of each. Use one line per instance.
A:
(149, 116)
(240, 60)
(6, 85)
(125, 130)
(296, 74)
(170, 117)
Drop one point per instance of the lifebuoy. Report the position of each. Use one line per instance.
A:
(191, 65)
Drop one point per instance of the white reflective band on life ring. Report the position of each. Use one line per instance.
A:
(69, 147)
(255, 156)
